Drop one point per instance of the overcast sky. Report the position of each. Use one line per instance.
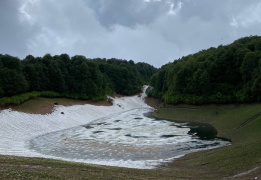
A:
(152, 31)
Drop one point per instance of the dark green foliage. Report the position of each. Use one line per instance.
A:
(146, 70)
(12, 80)
(226, 74)
(62, 76)
(123, 75)
(18, 99)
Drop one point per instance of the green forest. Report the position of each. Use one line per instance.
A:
(226, 74)
(73, 77)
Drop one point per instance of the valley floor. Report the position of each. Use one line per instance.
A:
(241, 160)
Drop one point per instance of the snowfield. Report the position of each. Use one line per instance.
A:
(117, 135)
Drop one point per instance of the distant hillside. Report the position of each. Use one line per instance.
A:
(227, 74)
(74, 77)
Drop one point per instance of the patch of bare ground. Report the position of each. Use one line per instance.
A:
(46, 105)
(121, 95)
(155, 103)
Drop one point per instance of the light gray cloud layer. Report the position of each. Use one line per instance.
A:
(153, 31)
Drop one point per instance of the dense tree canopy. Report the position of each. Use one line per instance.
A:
(75, 77)
(225, 74)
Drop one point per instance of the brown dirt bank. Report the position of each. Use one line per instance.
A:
(153, 102)
(45, 105)
(42, 105)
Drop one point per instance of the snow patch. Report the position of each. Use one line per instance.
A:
(117, 135)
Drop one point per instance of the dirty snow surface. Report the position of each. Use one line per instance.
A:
(119, 135)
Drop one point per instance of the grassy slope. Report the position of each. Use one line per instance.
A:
(244, 153)
(38, 168)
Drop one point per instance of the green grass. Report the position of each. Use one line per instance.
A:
(244, 153)
(39, 168)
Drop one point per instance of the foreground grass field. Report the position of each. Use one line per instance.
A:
(241, 124)
(241, 160)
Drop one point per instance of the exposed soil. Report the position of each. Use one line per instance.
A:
(153, 102)
(46, 105)
(121, 95)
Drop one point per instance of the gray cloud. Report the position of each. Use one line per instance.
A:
(154, 31)
(12, 32)
(127, 12)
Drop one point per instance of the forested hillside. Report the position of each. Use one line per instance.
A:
(75, 77)
(226, 74)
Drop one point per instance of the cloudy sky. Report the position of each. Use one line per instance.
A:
(152, 31)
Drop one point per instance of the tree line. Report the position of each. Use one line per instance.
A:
(74, 77)
(226, 74)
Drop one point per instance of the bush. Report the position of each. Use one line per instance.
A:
(18, 99)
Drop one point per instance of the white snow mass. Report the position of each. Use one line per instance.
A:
(118, 135)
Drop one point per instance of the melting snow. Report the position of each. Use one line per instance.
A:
(117, 135)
